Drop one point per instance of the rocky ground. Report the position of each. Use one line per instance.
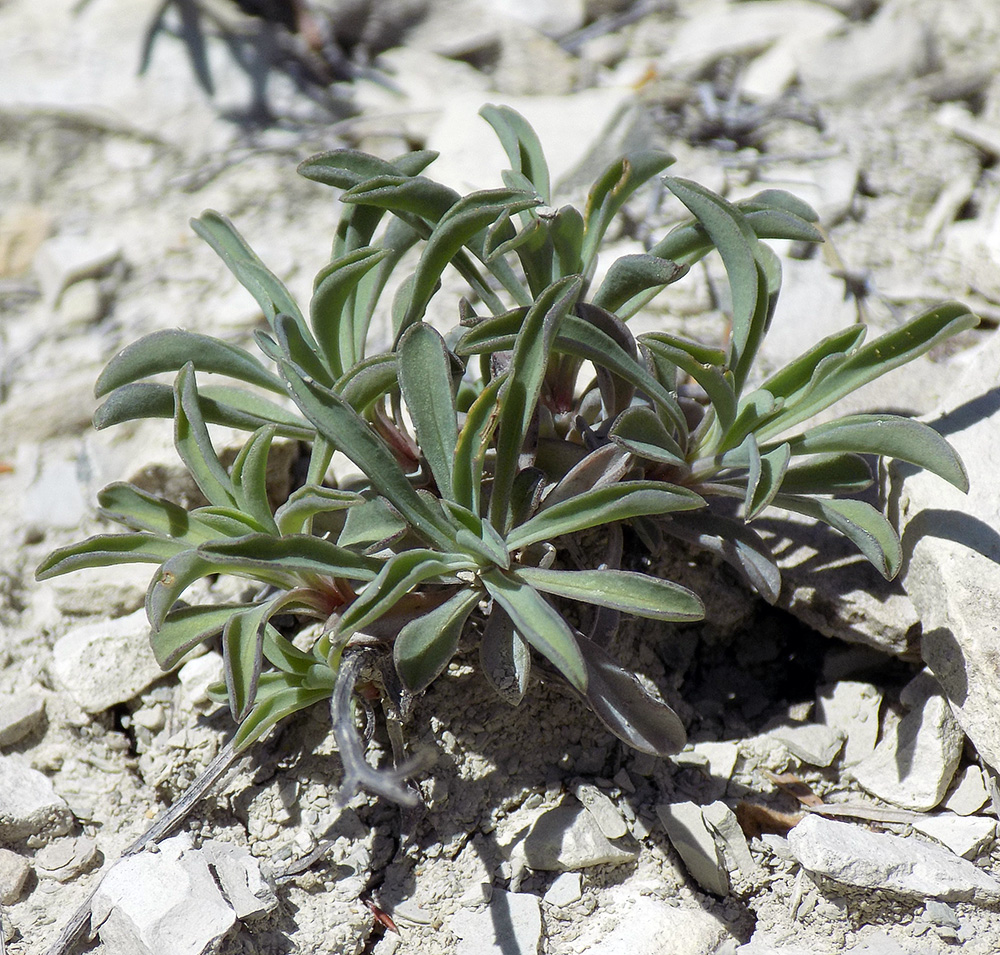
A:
(870, 710)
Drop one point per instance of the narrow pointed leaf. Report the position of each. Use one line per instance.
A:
(308, 501)
(171, 349)
(367, 381)
(140, 510)
(521, 144)
(472, 443)
(520, 392)
(640, 431)
(184, 628)
(767, 472)
(425, 646)
(400, 574)
(633, 274)
(504, 657)
(603, 505)
(344, 168)
(242, 653)
(194, 444)
(243, 262)
(173, 578)
(350, 434)
(630, 592)
(890, 435)
(538, 622)
(626, 709)
(105, 550)
(249, 478)
(332, 290)
(823, 357)
(283, 702)
(873, 360)
(258, 554)
(404, 195)
(858, 521)
(827, 474)
(426, 385)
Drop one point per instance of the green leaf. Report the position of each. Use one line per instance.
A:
(890, 435)
(504, 657)
(335, 333)
(519, 395)
(803, 373)
(634, 593)
(348, 433)
(538, 623)
(371, 524)
(476, 537)
(828, 474)
(602, 505)
(705, 365)
(640, 431)
(737, 245)
(105, 550)
(521, 144)
(858, 521)
(174, 577)
(466, 219)
(194, 444)
(259, 554)
(242, 261)
(272, 709)
(493, 334)
(612, 189)
(399, 575)
(873, 360)
(767, 470)
(171, 349)
(368, 380)
(148, 400)
(306, 502)
(626, 709)
(186, 627)
(344, 168)
(583, 339)
(566, 232)
(404, 195)
(425, 645)
(249, 478)
(426, 385)
(300, 348)
(126, 504)
(243, 653)
(473, 441)
(633, 274)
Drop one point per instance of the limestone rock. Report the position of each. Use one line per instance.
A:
(915, 762)
(20, 715)
(852, 708)
(28, 802)
(105, 663)
(568, 838)
(653, 927)
(871, 860)
(510, 925)
(951, 547)
(14, 872)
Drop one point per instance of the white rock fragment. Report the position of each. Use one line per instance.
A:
(730, 839)
(852, 708)
(968, 793)
(178, 900)
(966, 836)
(510, 925)
(915, 762)
(695, 843)
(568, 838)
(566, 890)
(65, 859)
(869, 860)
(198, 674)
(20, 715)
(652, 927)
(55, 498)
(66, 259)
(106, 663)
(479, 893)
(812, 743)
(604, 811)
(952, 570)
(29, 803)
(14, 872)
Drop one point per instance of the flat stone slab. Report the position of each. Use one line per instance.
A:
(510, 925)
(869, 860)
(568, 838)
(28, 803)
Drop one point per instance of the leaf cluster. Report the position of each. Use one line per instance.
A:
(485, 451)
